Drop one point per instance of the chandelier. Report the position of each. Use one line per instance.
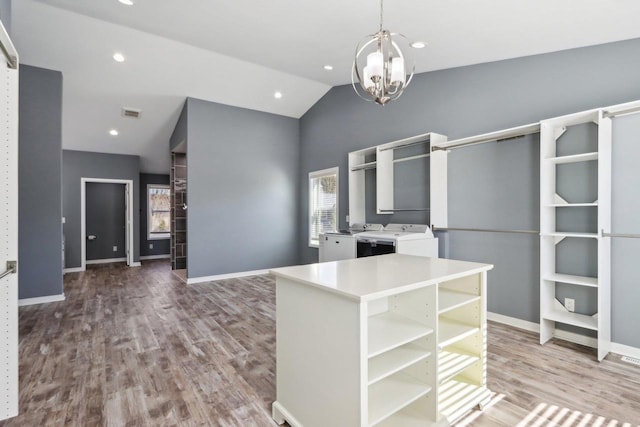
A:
(379, 71)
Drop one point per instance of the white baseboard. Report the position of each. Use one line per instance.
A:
(621, 349)
(105, 261)
(135, 264)
(148, 257)
(40, 300)
(73, 270)
(203, 279)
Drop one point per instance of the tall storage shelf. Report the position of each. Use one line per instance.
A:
(382, 341)
(552, 311)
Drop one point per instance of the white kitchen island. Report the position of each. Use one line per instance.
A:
(390, 340)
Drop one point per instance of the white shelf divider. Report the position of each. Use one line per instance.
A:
(388, 331)
(571, 234)
(572, 205)
(450, 332)
(390, 362)
(584, 157)
(450, 300)
(451, 363)
(574, 280)
(575, 319)
(390, 395)
(455, 396)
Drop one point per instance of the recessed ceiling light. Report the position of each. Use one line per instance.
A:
(277, 95)
(328, 67)
(418, 45)
(126, 2)
(113, 132)
(118, 57)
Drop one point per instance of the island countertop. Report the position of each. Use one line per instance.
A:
(364, 279)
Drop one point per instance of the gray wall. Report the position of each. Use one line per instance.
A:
(40, 174)
(179, 134)
(5, 14)
(161, 246)
(243, 186)
(82, 164)
(491, 185)
(625, 253)
(106, 220)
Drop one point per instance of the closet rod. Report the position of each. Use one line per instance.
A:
(405, 210)
(499, 136)
(9, 51)
(484, 230)
(623, 235)
(408, 144)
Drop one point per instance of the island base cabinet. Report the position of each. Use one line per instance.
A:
(318, 373)
(399, 342)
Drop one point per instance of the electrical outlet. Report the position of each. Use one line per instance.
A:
(115, 249)
(150, 245)
(347, 219)
(570, 304)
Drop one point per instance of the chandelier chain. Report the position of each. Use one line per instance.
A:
(381, 10)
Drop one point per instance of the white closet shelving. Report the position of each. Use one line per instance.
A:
(383, 160)
(552, 311)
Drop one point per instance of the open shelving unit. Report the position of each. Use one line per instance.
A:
(408, 350)
(382, 159)
(552, 311)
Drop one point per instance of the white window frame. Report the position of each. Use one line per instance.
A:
(319, 174)
(156, 236)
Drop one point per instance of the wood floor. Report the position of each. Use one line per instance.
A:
(137, 347)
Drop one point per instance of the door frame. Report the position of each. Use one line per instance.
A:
(128, 217)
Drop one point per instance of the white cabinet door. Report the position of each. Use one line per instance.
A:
(8, 237)
(334, 247)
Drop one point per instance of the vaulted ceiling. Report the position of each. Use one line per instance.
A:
(241, 52)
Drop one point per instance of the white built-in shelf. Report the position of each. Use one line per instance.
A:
(575, 319)
(451, 363)
(368, 165)
(412, 416)
(584, 157)
(390, 362)
(571, 205)
(454, 396)
(450, 332)
(449, 300)
(574, 280)
(388, 331)
(571, 234)
(393, 393)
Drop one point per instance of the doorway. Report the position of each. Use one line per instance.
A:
(106, 221)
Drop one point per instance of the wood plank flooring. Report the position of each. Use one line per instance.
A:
(137, 347)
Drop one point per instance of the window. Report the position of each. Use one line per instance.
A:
(159, 211)
(323, 203)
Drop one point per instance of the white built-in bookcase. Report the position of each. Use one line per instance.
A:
(553, 311)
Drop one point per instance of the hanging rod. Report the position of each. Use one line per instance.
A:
(12, 267)
(7, 48)
(484, 230)
(621, 110)
(622, 235)
(405, 210)
(370, 165)
(499, 136)
(404, 159)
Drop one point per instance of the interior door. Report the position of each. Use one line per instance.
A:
(8, 230)
(105, 221)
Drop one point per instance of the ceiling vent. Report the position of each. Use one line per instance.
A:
(131, 112)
